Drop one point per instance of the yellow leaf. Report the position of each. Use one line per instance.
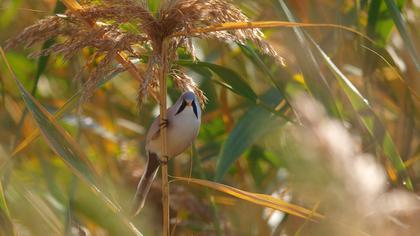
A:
(259, 199)
(262, 25)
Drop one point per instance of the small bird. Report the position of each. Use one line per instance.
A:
(182, 124)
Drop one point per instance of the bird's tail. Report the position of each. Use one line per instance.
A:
(145, 183)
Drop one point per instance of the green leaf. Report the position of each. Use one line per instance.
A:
(382, 17)
(314, 78)
(258, 61)
(58, 139)
(43, 60)
(23, 66)
(41, 66)
(369, 119)
(398, 20)
(253, 125)
(229, 78)
(281, 73)
(69, 151)
(254, 156)
(232, 81)
(380, 24)
(70, 105)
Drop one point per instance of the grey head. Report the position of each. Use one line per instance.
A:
(188, 99)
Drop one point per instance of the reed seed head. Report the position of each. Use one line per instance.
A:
(127, 26)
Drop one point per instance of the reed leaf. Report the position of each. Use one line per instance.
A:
(250, 128)
(399, 23)
(370, 120)
(72, 103)
(67, 148)
(259, 199)
(265, 25)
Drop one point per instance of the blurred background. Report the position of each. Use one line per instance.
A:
(352, 155)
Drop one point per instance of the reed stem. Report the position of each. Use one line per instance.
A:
(165, 184)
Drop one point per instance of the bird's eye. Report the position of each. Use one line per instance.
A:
(194, 105)
(182, 107)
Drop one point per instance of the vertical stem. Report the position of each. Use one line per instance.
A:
(165, 184)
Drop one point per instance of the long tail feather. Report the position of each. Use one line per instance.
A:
(145, 183)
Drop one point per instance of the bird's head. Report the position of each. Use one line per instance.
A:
(188, 100)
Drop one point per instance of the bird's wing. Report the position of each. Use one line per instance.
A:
(154, 130)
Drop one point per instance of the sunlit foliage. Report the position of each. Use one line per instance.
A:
(306, 131)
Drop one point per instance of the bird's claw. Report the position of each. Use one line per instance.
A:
(164, 123)
(164, 160)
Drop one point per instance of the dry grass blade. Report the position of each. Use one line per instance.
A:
(25, 143)
(394, 71)
(259, 199)
(6, 222)
(45, 212)
(410, 162)
(263, 24)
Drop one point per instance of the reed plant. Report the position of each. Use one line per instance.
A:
(309, 129)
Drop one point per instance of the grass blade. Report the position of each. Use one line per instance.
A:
(399, 23)
(44, 211)
(232, 81)
(314, 78)
(249, 129)
(230, 78)
(41, 66)
(64, 145)
(56, 137)
(5, 221)
(263, 25)
(86, 205)
(70, 105)
(43, 60)
(380, 24)
(259, 199)
(370, 120)
(281, 72)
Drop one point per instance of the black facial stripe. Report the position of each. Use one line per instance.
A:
(182, 107)
(195, 109)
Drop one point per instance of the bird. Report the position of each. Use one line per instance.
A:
(182, 124)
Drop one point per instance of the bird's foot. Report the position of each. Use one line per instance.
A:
(164, 123)
(164, 160)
